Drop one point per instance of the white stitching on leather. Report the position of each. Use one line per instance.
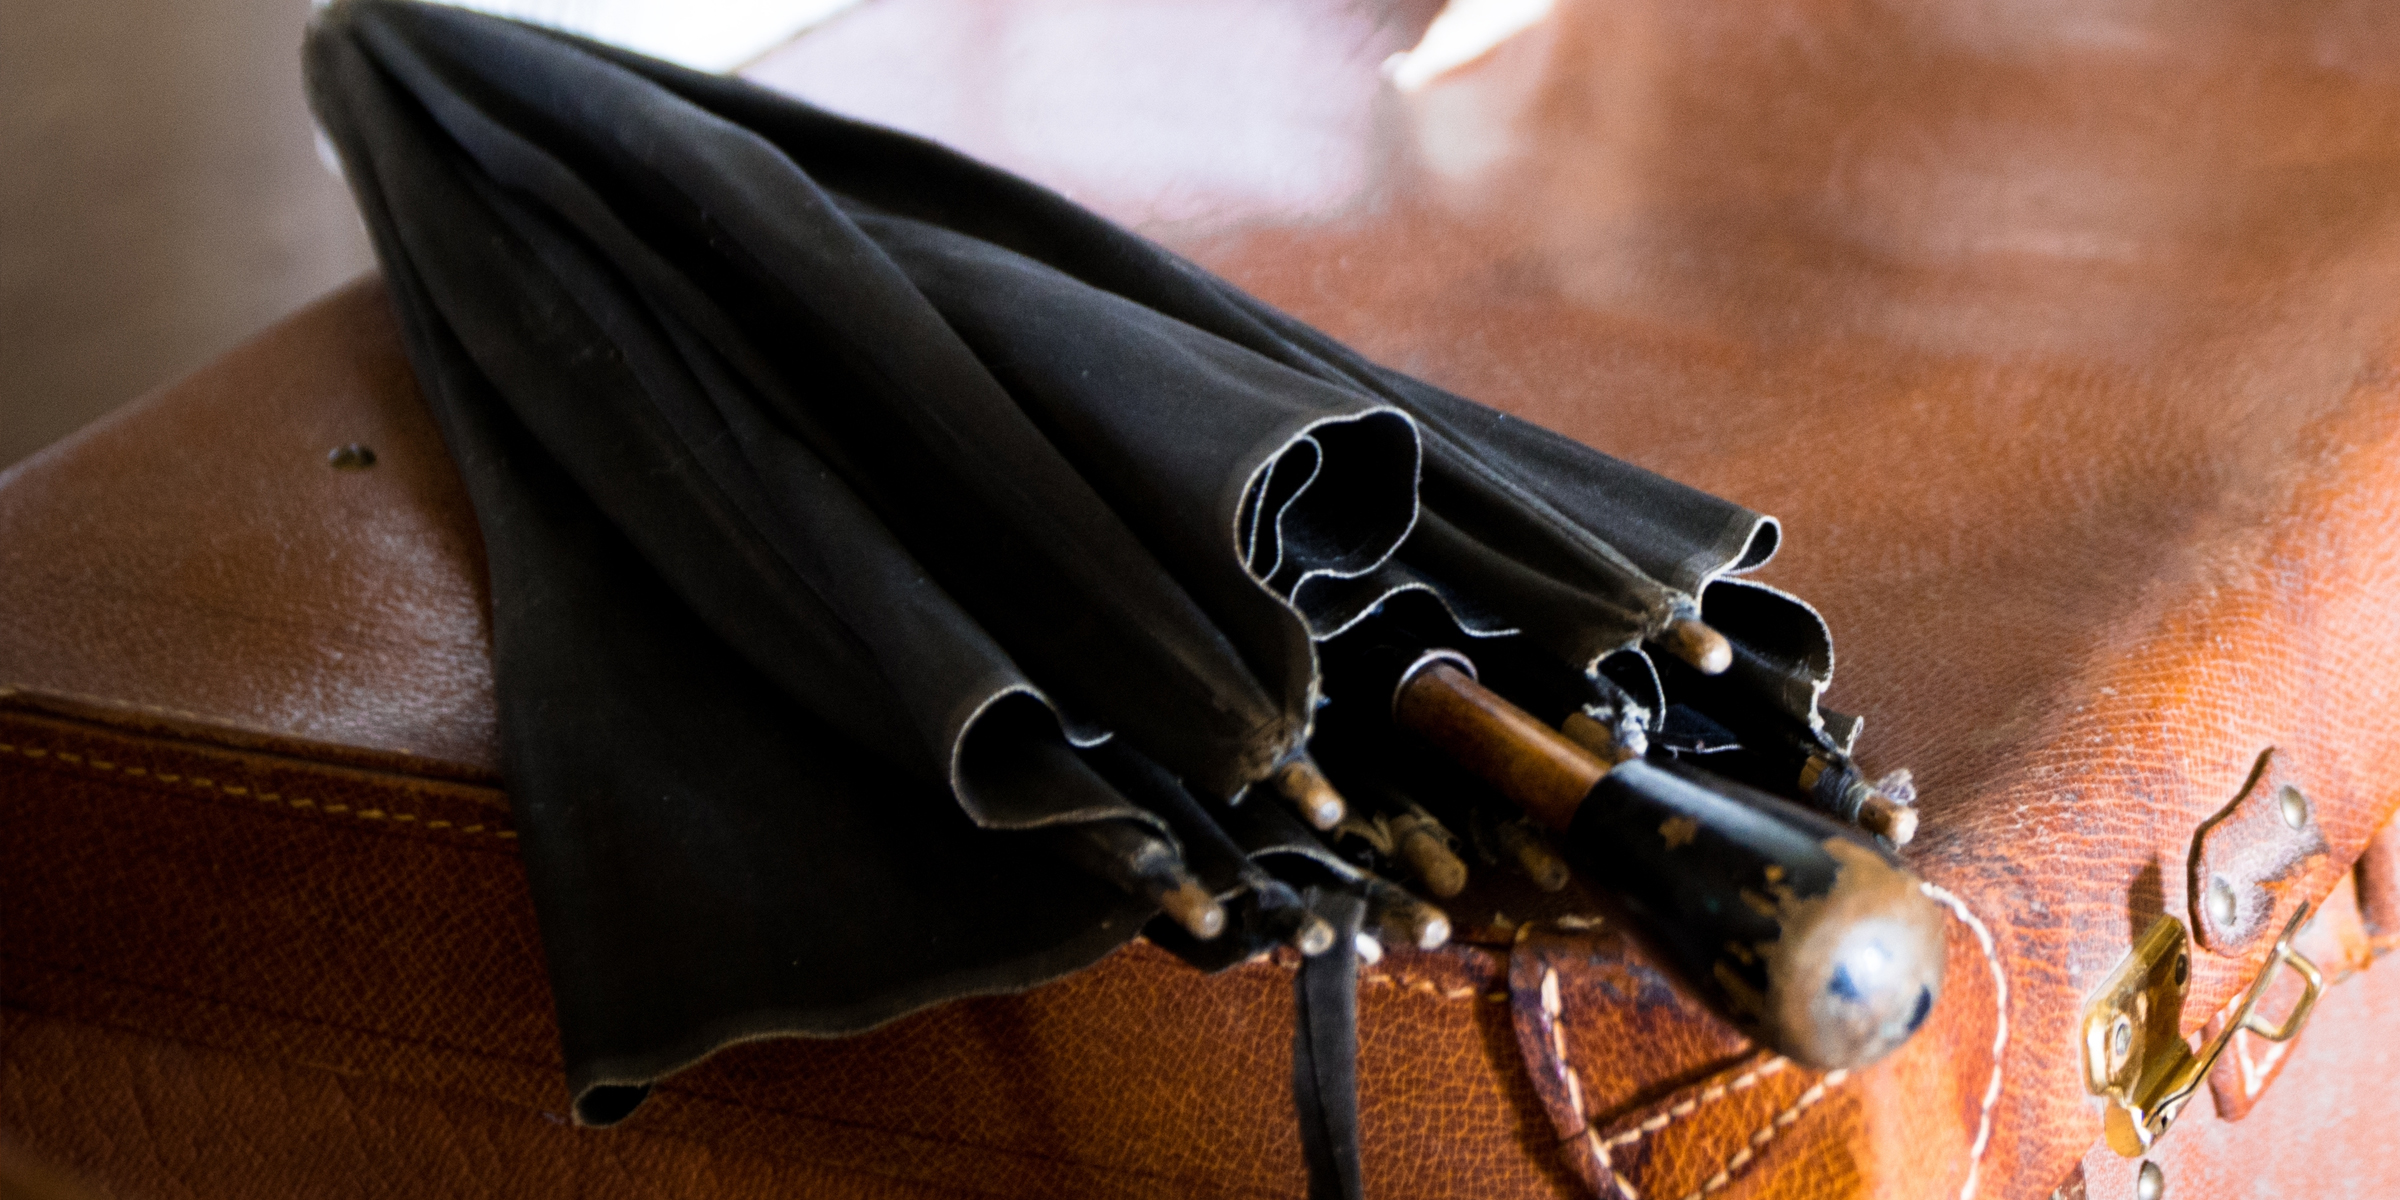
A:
(2256, 1070)
(1743, 1155)
(1553, 1007)
(1419, 984)
(1991, 1093)
(1766, 1133)
(238, 792)
(1708, 1095)
(1424, 985)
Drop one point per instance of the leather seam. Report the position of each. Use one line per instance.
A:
(1708, 1095)
(204, 724)
(239, 792)
(2257, 1073)
(1991, 1092)
(1552, 1009)
(1422, 984)
(1428, 987)
(156, 710)
(1766, 1133)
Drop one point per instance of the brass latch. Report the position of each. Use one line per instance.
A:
(2133, 1048)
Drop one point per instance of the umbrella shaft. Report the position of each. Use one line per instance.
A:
(1532, 764)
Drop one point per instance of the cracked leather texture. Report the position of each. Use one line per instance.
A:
(2066, 355)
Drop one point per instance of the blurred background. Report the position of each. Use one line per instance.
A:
(160, 199)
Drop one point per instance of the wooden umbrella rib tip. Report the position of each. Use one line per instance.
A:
(1308, 790)
(1190, 905)
(1881, 816)
(1696, 643)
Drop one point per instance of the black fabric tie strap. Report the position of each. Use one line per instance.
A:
(1325, 1052)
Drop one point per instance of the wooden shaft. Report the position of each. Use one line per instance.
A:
(1532, 764)
(1304, 931)
(1801, 931)
(1188, 902)
(1839, 789)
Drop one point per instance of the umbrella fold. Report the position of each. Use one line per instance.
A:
(868, 526)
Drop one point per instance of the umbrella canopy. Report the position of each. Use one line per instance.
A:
(860, 517)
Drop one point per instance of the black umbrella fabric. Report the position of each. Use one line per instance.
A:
(860, 517)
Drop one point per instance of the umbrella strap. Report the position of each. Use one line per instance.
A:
(1325, 1052)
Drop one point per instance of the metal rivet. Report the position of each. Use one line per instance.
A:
(353, 457)
(2183, 968)
(2295, 807)
(2222, 908)
(2150, 1183)
(2120, 1043)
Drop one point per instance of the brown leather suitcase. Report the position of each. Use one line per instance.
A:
(2065, 352)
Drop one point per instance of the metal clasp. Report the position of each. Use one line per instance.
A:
(2133, 1048)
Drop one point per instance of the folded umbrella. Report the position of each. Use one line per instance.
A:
(863, 520)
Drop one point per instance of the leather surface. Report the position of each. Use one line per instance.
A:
(1650, 1096)
(2075, 399)
(2080, 431)
(2379, 887)
(2246, 859)
(2336, 942)
(156, 1117)
(2064, 348)
(179, 1031)
(356, 928)
(194, 556)
(2324, 1126)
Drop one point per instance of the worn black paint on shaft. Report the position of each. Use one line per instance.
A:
(1793, 925)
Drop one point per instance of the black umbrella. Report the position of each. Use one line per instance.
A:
(904, 580)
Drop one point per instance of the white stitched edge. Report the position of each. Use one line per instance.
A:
(1743, 1155)
(1552, 1008)
(1991, 1093)
(1708, 1095)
